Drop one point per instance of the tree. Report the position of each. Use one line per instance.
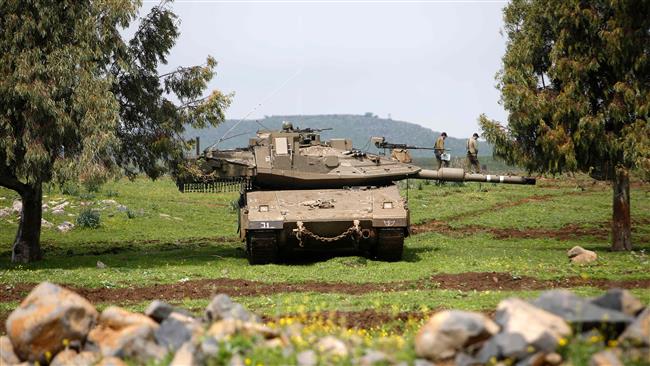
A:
(575, 80)
(79, 102)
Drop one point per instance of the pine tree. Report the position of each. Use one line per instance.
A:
(576, 83)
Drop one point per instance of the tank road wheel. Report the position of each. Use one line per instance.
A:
(261, 247)
(390, 244)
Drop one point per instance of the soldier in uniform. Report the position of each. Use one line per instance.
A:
(472, 154)
(439, 149)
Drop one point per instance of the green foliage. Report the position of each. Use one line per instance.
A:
(88, 218)
(70, 189)
(575, 83)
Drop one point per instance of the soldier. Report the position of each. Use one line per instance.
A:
(439, 149)
(472, 154)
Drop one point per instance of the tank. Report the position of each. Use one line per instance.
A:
(300, 194)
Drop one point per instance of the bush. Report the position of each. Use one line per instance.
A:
(70, 189)
(88, 218)
(87, 196)
(111, 193)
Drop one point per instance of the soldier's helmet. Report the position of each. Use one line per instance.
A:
(287, 126)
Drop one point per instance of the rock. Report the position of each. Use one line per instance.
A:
(109, 202)
(209, 346)
(620, 300)
(64, 357)
(47, 316)
(60, 206)
(539, 328)
(158, 310)
(58, 212)
(5, 212)
(446, 332)
(7, 355)
(229, 327)
(176, 330)
(17, 207)
(581, 313)
(504, 345)
(423, 362)
(101, 265)
(118, 318)
(111, 361)
(585, 258)
(463, 359)
(332, 346)
(372, 357)
(638, 333)
(124, 334)
(553, 358)
(222, 307)
(122, 208)
(65, 226)
(307, 358)
(46, 224)
(165, 216)
(605, 358)
(84, 358)
(186, 356)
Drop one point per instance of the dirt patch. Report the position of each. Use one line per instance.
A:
(571, 231)
(206, 288)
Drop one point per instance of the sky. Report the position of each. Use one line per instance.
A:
(427, 62)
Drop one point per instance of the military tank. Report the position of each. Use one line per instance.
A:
(299, 193)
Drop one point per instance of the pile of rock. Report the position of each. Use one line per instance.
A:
(533, 333)
(56, 326)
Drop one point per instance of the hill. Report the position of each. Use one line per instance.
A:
(359, 128)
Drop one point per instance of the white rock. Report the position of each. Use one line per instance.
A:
(101, 265)
(6, 212)
(17, 206)
(65, 226)
(332, 346)
(46, 224)
(164, 215)
(60, 206)
(579, 255)
(446, 332)
(58, 212)
(109, 202)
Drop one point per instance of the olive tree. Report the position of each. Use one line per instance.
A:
(575, 82)
(79, 102)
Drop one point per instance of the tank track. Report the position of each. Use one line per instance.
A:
(390, 245)
(261, 247)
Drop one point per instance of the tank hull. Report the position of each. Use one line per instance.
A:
(369, 220)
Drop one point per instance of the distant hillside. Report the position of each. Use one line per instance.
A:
(356, 127)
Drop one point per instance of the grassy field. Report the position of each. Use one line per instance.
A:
(171, 240)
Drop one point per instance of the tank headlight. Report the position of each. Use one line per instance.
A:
(387, 205)
(264, 208)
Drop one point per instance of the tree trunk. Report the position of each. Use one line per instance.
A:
(621, 225)
(27, 247)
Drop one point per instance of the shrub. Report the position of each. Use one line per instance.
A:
(111, 193)
(70, 189)
(88, 218)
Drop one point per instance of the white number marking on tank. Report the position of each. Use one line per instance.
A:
(265, 225)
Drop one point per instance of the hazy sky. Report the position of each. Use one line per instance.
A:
(428, 62)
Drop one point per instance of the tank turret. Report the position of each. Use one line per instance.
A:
(302, 194)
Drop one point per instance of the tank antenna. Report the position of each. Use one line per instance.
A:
(269, 96)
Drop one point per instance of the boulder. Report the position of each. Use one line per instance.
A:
(307, 358)
(372, 357)
(111, 361)
(583, 314)
(332, 346)
(121, 333)
(65, 226)
(176, 330)
(158, 310)
(186, 355)
(46, 224)
(7, 355)
(580, 255)
(605, 358)
(17, 207)
(47, 316)
(540, 329)
(64, 358)
(229, 327)
(222, 307)
(638, 333)
(620, 300)
(446, 332)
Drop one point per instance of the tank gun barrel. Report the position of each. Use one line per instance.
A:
(459, 175)
(381, 143)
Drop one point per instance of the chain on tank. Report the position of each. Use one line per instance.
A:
(302, 232)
